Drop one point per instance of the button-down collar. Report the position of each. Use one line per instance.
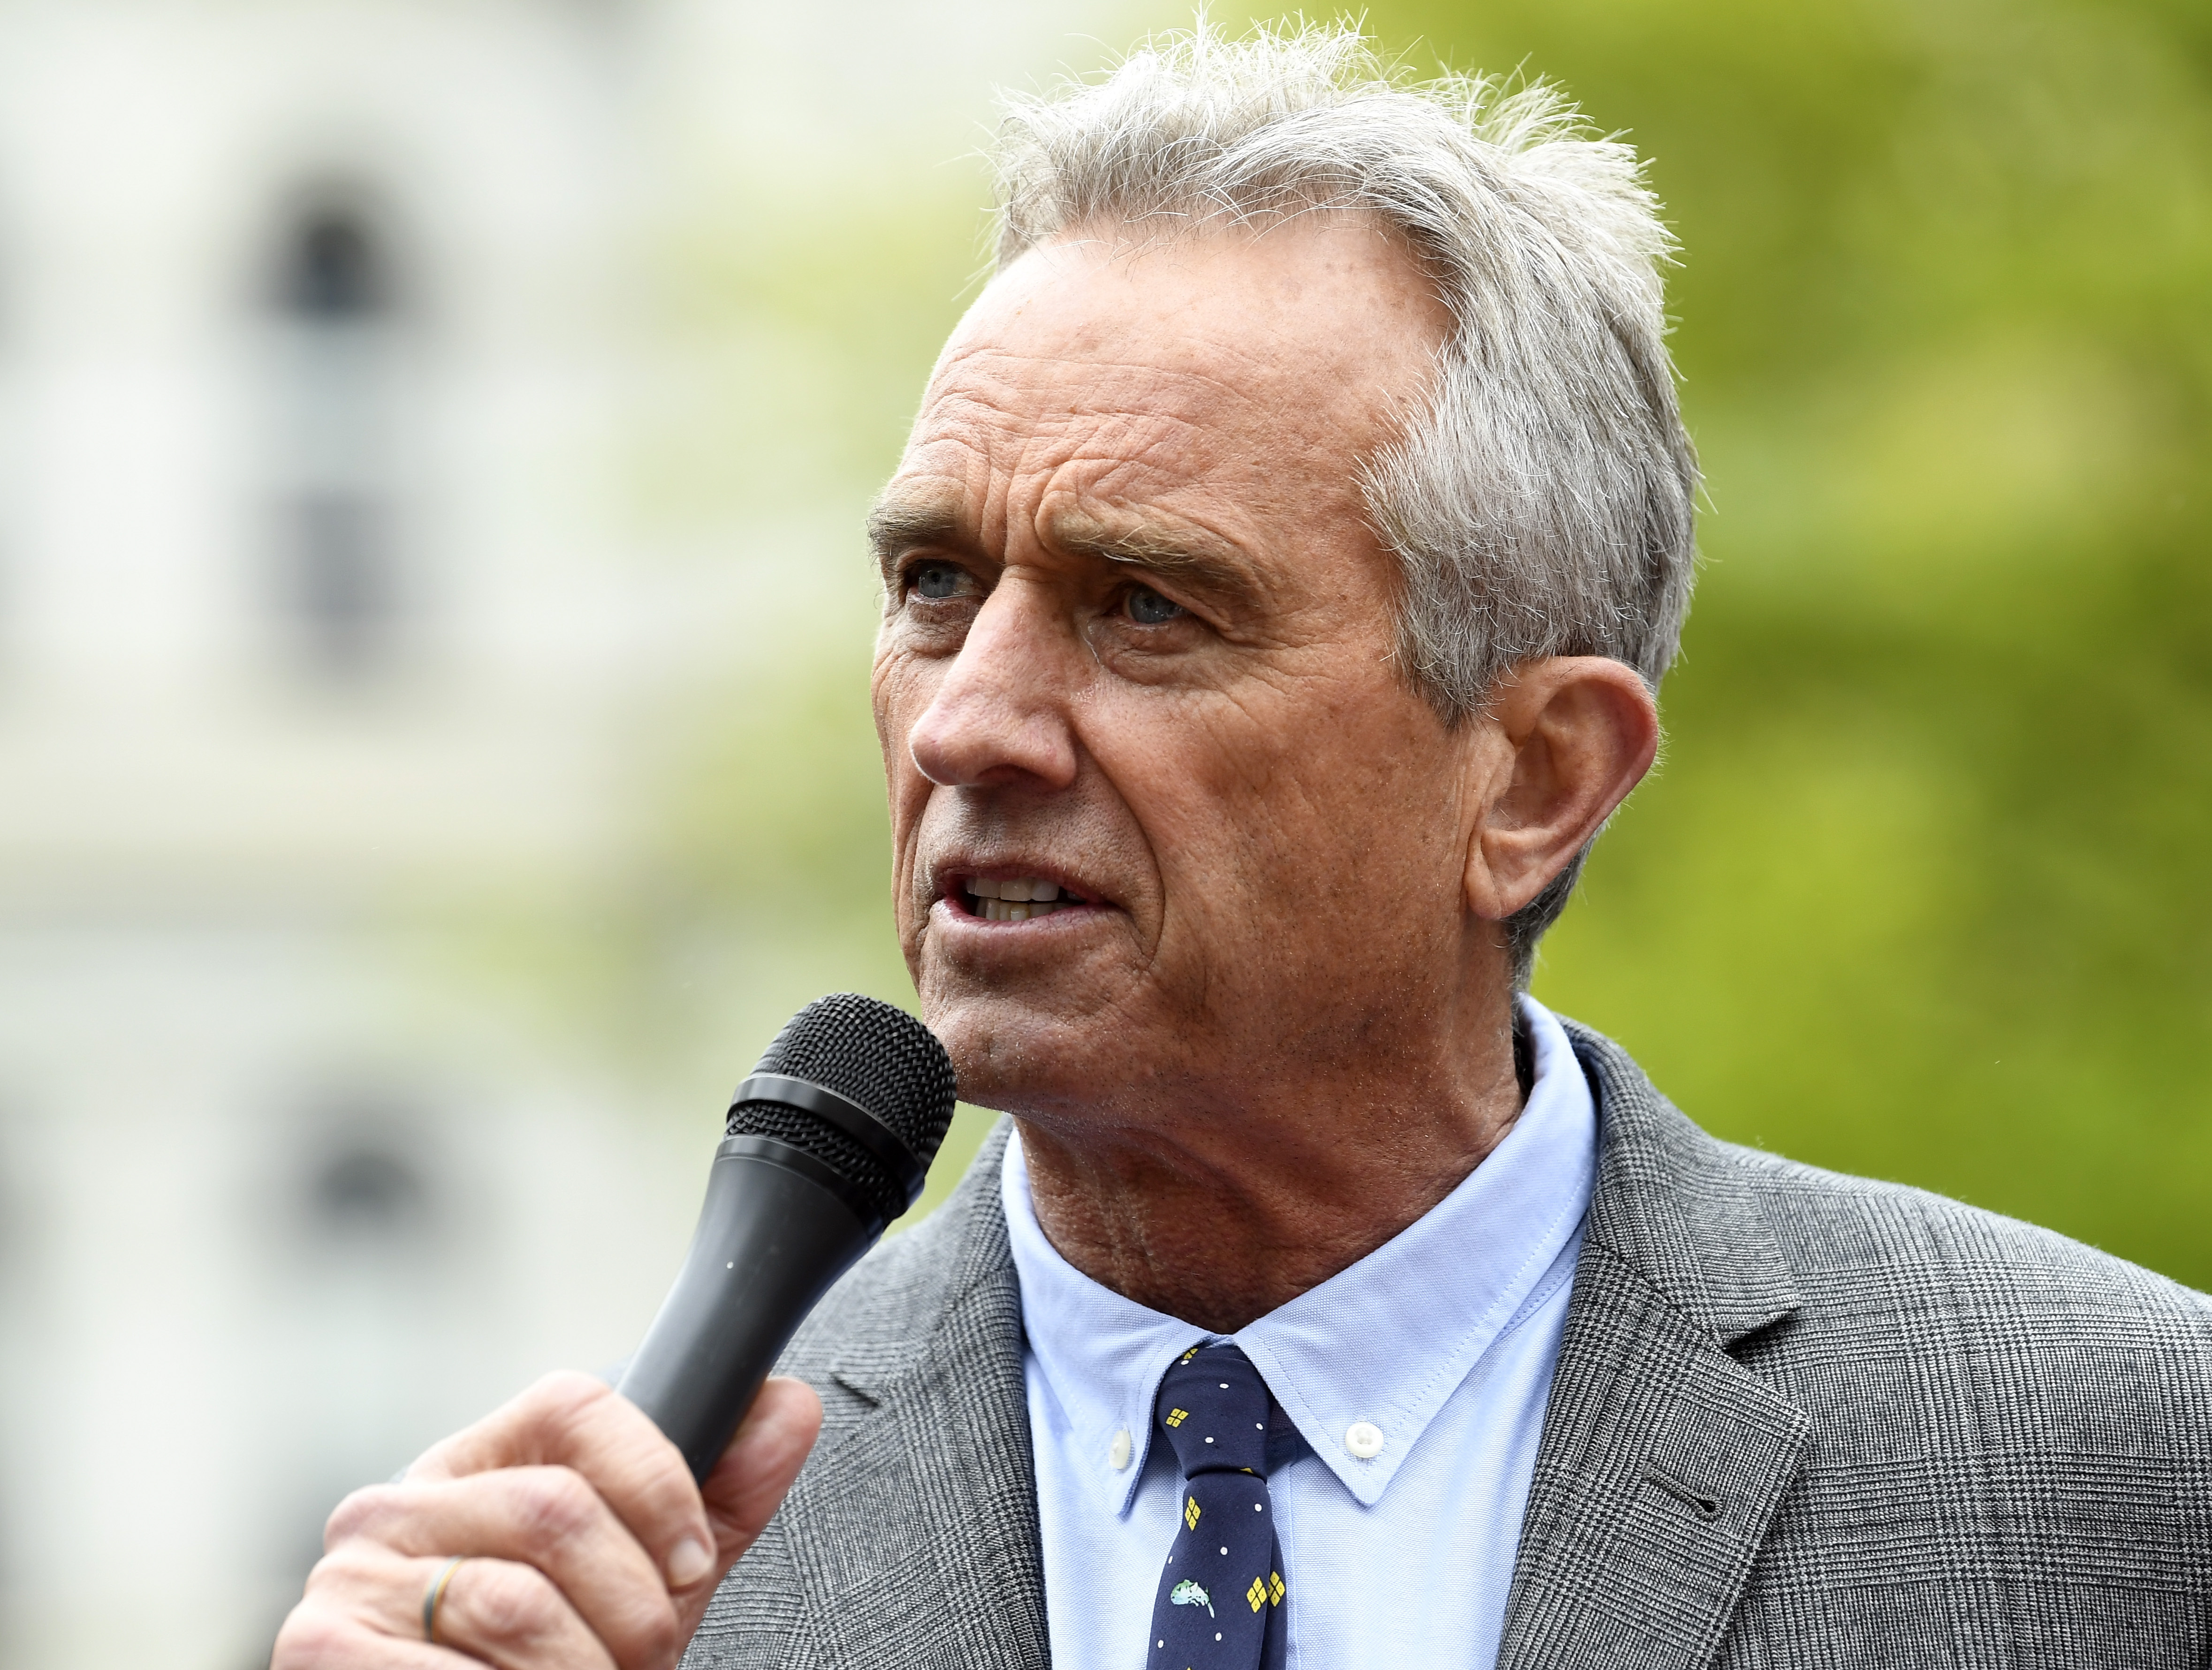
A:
(1381, 1346)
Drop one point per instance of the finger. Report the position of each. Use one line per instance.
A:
(756, 1471)
(509, 1615)
(573, 1420)
(548, 1519)
(365, 1607)
(318, 1637)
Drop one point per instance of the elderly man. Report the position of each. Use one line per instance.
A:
(1277, 581)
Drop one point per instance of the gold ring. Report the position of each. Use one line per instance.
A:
(433, 1594)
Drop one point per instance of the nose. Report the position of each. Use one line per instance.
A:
(1001, 715)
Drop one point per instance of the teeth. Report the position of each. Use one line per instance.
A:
(1020, 890)
(1006, 910)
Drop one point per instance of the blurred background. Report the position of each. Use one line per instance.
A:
(434, 753)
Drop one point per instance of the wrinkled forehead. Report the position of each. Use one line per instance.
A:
(1262, 365)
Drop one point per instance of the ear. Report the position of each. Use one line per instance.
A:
(1564, 740)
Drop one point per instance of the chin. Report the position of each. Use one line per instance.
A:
(1016, 1055)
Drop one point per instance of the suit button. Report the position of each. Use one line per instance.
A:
(1363, 1439)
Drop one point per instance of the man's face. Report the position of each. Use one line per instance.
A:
(1138, 648)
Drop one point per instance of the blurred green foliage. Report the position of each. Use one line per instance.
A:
(1922, 888)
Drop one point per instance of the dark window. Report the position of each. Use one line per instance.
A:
(368, 1190)
(335, 270)
(338, 583)
(363, 1186)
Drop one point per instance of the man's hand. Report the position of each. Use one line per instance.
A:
(589, 1546)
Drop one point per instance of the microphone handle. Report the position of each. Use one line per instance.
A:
(778, 1228)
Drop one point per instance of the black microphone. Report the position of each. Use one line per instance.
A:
(827, 1142)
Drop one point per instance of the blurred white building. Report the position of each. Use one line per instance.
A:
(322, 628)
(310, 625)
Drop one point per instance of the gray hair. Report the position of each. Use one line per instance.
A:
(1541, 501)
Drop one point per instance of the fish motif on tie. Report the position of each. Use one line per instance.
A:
(1213, 1411)
(1188, 1594)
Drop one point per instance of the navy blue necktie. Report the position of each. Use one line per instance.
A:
(1220, 1604)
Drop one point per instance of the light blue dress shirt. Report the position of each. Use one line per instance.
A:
(1414, 1383)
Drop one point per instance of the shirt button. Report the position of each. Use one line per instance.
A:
(1117, 1452)
(1363, 1439)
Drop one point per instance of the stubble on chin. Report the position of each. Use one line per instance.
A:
(1026, 1055)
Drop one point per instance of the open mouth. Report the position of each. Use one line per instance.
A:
(1013, 897)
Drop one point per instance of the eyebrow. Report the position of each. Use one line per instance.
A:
(1171, 554)
(897, 525)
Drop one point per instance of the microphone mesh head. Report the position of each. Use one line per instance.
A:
(868, 1053)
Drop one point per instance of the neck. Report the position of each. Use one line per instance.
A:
(1221, 1206)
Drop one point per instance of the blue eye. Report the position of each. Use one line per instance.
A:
(1148, 608)
(936, 580)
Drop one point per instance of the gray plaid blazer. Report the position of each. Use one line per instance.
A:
(1798, 1419)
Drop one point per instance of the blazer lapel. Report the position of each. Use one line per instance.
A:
(1663, 1459)
(919, 1529)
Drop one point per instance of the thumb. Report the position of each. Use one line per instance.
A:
(750, 1482)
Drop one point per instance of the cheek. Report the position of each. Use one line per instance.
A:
(900, 694)
(1317, 754)
(900, 689)
(1209, 784)
(1318, 797)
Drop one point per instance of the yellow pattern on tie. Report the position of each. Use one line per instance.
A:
(1274, 1588)
(1213, 1413)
